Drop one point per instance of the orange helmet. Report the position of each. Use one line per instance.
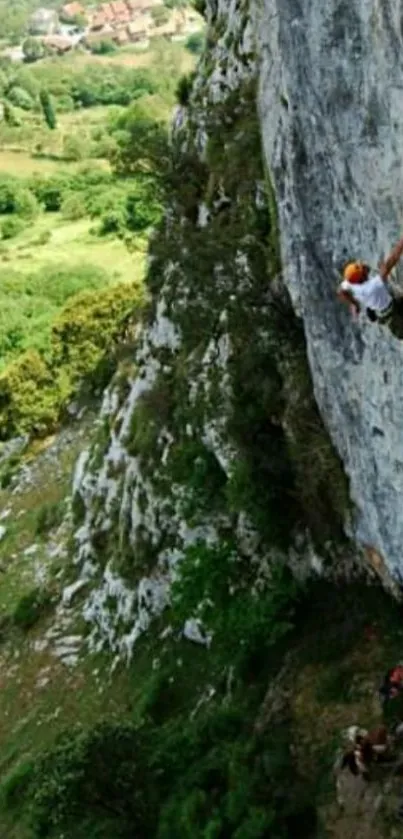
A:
(355, 272)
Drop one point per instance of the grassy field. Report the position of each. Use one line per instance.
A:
(30, 271)
(49, 242)
(157, 55)
(31, 147)
(71, 243)
(21, 163)
(164, 61)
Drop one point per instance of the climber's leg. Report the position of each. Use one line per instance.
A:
(371, 315)
(396, 320)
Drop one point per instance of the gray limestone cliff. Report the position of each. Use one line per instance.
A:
(331, 111)
(286, 160)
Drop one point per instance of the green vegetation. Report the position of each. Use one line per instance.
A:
(184, 89)
(70, 227)
(195, 43)
(33, 50)
(192, 742)
(35, 387)
(31, 608)
(154, 767)
(48, 110)
(76, 82)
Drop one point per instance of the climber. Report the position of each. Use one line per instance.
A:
(391, 697)
(392, 684)
(363, 288)
(366, 748)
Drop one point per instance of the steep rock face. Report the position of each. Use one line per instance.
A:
(331, 106)
(213, 438)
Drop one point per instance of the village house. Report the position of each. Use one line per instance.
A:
(144, 6)
(58, 44)
(121, 37)
(43, 22)
(131, 20)
(121, 11)
(118, 12)
(72, 10)
(139, 30)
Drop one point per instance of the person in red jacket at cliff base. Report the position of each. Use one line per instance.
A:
(363, 288)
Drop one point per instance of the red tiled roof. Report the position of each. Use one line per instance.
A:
(118, 7)
(107, 11)
(73, 9)
(98, 21)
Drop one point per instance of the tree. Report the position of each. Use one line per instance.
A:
(20, 97)
(142, 146)
(33, 49)
(103, 46)
(9, 115)
(184, 88)
(74, 147)
(48, 109)
(195, 43)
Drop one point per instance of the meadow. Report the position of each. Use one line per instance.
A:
(73, 220)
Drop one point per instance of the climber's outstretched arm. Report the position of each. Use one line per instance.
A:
(346, 297)
(390, 262)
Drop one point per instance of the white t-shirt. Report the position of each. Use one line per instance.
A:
(372, 294)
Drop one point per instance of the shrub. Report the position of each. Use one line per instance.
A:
(29, 396)
(88, 327)
(184, 89)
(103, 47)
(203, 777)
(103, 199)
(10, 116)
(11, 227)
(16, 784)
(73, 207)
(200, 6)
(217, 585)
(30, 608)
(26, 204)
(9, 190)
(50, 193)
(20, 98)
(74, 147)
(195, 43)
(34, 388)
(8, 470)
(94, 778)
(33, 49)
(49, 516)
(16, 199)
(113, 221)
(143, 210)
